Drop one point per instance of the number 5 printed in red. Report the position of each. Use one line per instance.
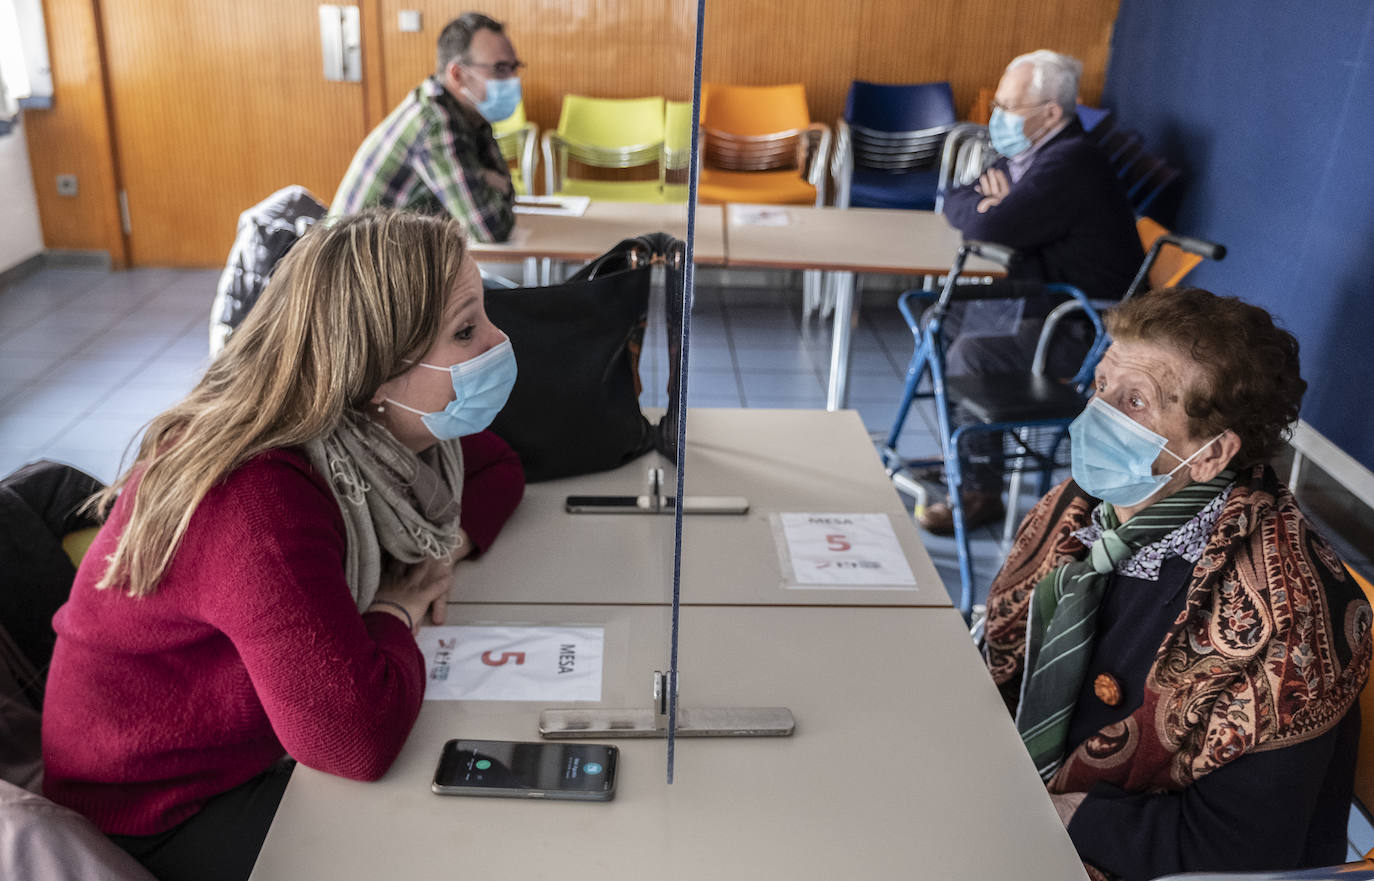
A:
(517, 657)
(838, 543)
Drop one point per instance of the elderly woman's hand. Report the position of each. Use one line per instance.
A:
(423, 587)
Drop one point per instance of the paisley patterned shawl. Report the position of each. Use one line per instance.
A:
(1271, 649)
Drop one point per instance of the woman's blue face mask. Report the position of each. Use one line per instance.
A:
(481, 387)
(1113, 455)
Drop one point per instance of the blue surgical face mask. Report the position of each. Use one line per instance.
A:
(1113, 455)
(1008, 132)
(503, 96)
(480, 386)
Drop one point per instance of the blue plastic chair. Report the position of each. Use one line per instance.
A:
(1098, 120)
(889, 144)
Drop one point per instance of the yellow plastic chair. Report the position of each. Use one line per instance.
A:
(760, 145)
(677, 150)
(517, 136)
(611, 133)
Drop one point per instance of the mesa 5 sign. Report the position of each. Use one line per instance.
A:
(513, 663)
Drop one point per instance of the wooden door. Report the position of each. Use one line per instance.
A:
(216, 104)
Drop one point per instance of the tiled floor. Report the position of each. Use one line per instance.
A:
(87, 357)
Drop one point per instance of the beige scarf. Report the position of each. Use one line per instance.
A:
(398, 507)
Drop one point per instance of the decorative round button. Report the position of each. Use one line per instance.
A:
(1107, 689)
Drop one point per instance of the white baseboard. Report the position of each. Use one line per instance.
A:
(1312, 446)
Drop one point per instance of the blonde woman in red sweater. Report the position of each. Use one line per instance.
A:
(253, 596)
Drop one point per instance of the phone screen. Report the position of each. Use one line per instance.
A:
(531, 770)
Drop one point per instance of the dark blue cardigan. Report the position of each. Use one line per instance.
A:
(1067, 217)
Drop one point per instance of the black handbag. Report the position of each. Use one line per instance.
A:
(575, 405)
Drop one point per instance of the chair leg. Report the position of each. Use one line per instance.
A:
(811, 297)
(832, 292)
(811, 288)
(1013, 503)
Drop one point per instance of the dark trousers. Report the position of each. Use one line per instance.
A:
(221, 842)
(985, 353)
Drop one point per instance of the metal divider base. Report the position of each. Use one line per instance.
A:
(691, 722)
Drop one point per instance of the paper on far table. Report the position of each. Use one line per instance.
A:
(512, 663)
(839, 550)
(562, 206)
(761, 216)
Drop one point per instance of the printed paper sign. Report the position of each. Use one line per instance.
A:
(561, 206)
(844, 549)
(759, 216)
(512, 663)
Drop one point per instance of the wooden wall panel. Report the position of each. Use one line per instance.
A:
(605, 48)
(216, 105)
(967, 42)
(74, 138)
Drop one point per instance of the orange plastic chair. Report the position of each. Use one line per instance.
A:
(760, 145)
(981, 108)
(1173, 263)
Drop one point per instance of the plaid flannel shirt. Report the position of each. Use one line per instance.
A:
(430, 155)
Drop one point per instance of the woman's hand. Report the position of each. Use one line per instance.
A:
(424, 585)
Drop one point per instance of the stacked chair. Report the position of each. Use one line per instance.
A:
(677, 150)
(517, 136)
(888, 145)
(967, 153)
(607, 133)
(760, 145)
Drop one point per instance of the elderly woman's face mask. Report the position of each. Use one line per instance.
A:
(1133, 439)
(1113, 455)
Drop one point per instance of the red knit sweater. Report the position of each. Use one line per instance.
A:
(250, 648)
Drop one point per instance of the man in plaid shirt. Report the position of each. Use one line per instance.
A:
(435, 152)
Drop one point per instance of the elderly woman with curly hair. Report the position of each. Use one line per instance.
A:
(1181, 651)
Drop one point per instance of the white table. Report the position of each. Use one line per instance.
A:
(601, 227)
(904, 764)
(847, 241)
(807, 461)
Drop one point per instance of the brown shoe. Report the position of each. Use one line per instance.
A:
(980, 509)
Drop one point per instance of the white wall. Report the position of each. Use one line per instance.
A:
(21, 236)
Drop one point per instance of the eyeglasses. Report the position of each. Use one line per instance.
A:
(1016, 110)
(501, 70)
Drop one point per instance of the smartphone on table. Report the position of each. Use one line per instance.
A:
(579, 771)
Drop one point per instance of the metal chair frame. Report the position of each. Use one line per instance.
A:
(558, 150)
(520, 145)
(967, 153)
(928, 358)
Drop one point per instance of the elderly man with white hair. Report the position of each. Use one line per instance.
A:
(1055, 199)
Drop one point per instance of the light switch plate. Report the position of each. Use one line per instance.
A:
(408, 20)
